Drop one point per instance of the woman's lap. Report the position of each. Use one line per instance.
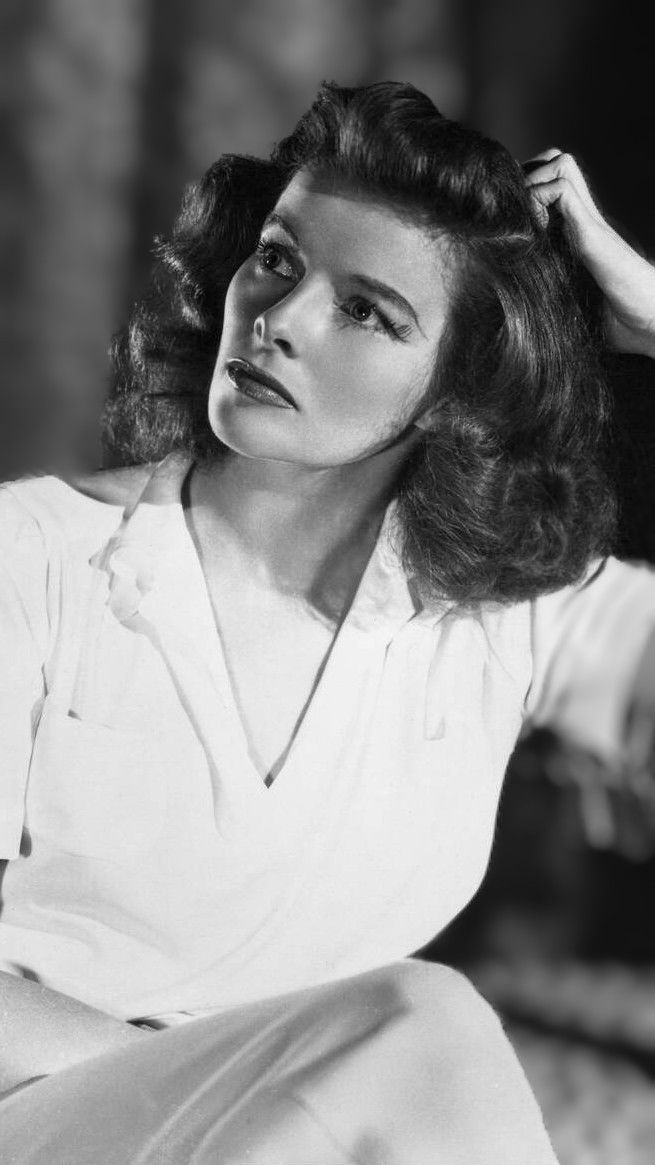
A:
(403, 1065)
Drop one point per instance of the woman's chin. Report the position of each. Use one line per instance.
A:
(251, 440)
(253, 430)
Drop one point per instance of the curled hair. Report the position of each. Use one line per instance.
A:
(505, 497)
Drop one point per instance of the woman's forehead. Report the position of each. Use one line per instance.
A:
(333, 192)
(344, 222)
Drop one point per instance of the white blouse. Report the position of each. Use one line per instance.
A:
(152, 871)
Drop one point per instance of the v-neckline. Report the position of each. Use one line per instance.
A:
(322, 678)
(156, 578)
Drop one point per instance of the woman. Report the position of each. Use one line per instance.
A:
(266, 678)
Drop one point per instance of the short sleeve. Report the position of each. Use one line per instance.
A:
(587, 644)
(23, 645)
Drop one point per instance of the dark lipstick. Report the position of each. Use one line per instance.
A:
(258, 385)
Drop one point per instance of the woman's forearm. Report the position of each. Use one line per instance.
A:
(43, 1031)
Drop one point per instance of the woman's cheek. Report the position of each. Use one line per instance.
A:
(244, 291)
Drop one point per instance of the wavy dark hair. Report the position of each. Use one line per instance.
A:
(506, 496)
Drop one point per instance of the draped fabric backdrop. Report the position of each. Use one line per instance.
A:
(109, 109)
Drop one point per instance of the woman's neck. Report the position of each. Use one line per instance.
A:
(301, 531)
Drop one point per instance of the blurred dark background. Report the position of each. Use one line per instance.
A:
(107, 110)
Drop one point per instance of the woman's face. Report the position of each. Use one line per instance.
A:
(342, 305)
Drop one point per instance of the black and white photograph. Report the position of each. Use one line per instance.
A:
(327, 583)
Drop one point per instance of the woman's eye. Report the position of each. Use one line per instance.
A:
(272, 257)
(362, 311)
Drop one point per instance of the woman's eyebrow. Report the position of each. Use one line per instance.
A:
(274, 219)
(390, 293)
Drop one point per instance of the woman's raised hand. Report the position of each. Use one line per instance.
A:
(626, 279)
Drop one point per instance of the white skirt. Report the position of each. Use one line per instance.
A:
(406, 1065)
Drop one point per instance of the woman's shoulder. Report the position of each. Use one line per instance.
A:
(111, 487)
(69, 505)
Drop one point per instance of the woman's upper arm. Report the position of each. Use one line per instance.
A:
(23, 640)
(587, 644)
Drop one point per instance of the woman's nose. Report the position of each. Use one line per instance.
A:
(286, 322)
(272, 331)
(274, 328)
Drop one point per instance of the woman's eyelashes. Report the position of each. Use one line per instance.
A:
(364, 314)
(275, 257)
(358, 311)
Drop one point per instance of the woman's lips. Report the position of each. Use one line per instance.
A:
(258, 385)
